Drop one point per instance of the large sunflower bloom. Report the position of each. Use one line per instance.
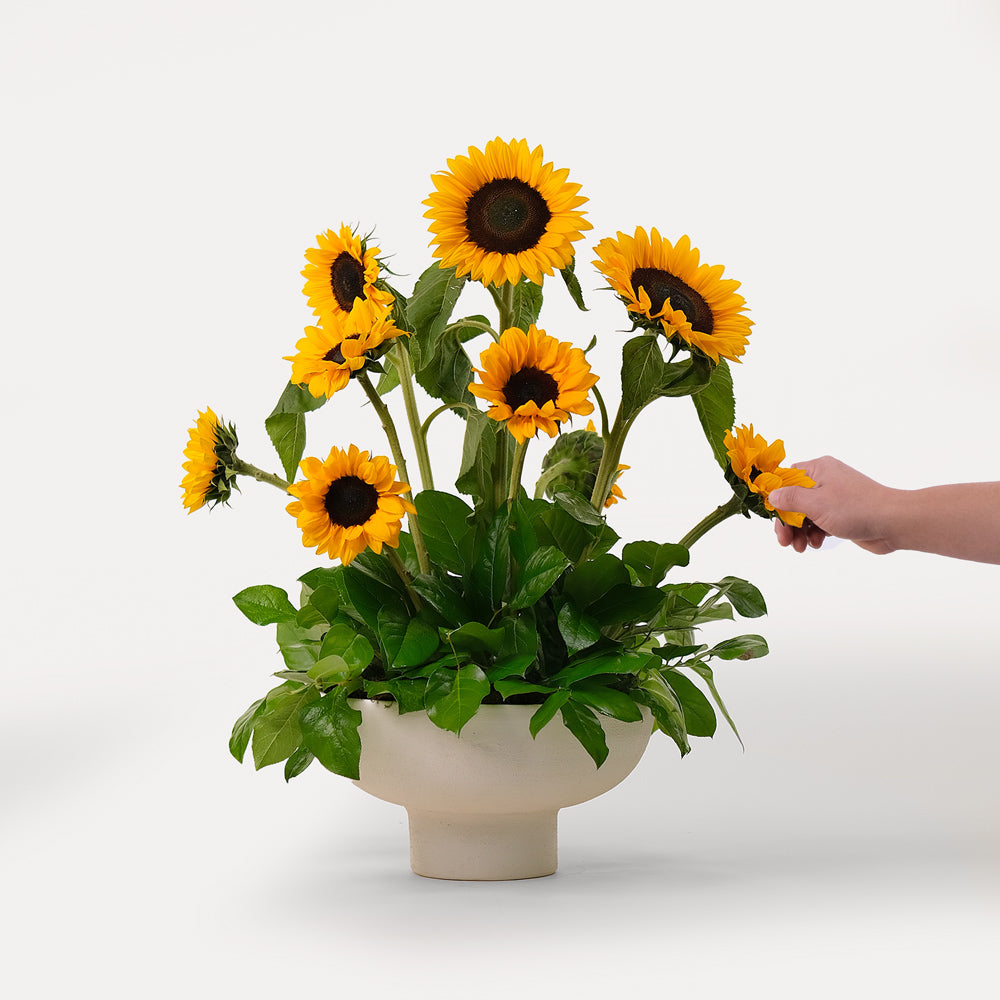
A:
(342, 270)
(349, 503)
(663, 282)
(758, 465)
(210, 450)
(533, 382)
(329, 355)
(502, 214)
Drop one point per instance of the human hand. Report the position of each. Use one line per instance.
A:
(844, 503)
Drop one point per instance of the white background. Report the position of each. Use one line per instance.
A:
(166, 166)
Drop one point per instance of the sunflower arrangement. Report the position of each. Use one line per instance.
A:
(443, 601)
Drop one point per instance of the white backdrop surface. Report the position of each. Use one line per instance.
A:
(167, 165)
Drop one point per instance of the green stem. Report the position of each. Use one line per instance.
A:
(553, 472)
(397, 564)
(515, 473)
(733, 506)
(613, 444)
(397, 453)
(401, 358)
(426, 425)
(603, 409)
(242, 468)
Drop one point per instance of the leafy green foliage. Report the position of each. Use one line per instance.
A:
(286, 425)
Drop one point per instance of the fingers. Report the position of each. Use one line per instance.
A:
(808, 536)
(790, 498)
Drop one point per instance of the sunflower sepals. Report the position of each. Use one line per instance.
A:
(442, 600)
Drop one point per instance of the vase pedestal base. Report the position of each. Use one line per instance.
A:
(483, 847)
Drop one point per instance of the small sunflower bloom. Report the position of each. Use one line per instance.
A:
(663, 284)
(329, 355)
(342, 271)
(616, 491)
(757, 464)
(533, 382)
(502, 214)
(210, 452)
(349, 503)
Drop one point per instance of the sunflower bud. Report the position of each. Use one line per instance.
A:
(571, 463)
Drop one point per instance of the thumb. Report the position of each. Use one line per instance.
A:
(798, 498)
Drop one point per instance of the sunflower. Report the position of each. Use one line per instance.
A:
(663, 283)
(502, 214)
(616, 491)
(329, 355)
(210, 451)
(341, 270)
(758, 465)
(533, 381)
(349, 503)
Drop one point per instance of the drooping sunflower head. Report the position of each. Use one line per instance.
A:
(664, 286)
(501, 214)
(210, 453)
(341, 271)
(329, 355)
(533, 382)
(755, 470)
(349, 503)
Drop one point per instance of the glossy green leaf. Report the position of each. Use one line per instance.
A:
(418, 644)
(297, 763)
(716, 408)
(578, 507)
(573, 284)
(547, 712)
(444, 521)
(276, 732)
(287, 432)
(543, 567)
(666, 708)
(626, 604)
(742, 647)
(332, 669)
(428, 310)
(699, 716)
(586, 727)
(454, 696)
(705, 673)
(613, 662)
(475, 476)
(652, 560)
(744, 596)
(608, 701)
(514, 687)
(299, 647)
(443, 596)
(343, 641)
(527, 304)
(641, 374)
(491, 571)
(240, 738)
(579, 630)
(475, 639)
(265, 605)
(407, 692)
(330, 731)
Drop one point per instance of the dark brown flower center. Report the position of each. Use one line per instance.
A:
(506, 216)
(754, 473)
(530, 385)
(350, 501)
(347, 280)
(336, 355)
(662, 285)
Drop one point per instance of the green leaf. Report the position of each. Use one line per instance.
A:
(297, 399)
(369, 596)
(329, 669)
(626, 604)
(651, 560)
(592, 579)
(265, 605)
(684, 378)
(579, 631)
(444, 596)
(578, 507)
(326, 600)
(343, 641)
(614, 662)
(543, 567)
(418, 644)
(527, 304)
(642, 373)
(743, 596)
(742, 647)
(407, 692)
(330, 731)
(586, 727)
(705, 673)
(491, 570)
(299, 647)
(240, 738)
(511, 688)
(666, 709)
(429, 309)
(555, 526)
(608, 701)
(716, 408)
(447, 374)
(454, 696)
(297, 763)
(547, 712)
(276, 732)
(475, 477)
(573, 284)
(699, 716)
(476, 639)
(444, 521)
(287, 432)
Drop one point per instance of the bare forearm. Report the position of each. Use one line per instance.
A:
(960, 520)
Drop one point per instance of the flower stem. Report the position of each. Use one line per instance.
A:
(613, 445)
(397, 564)
(515, 473)
(733, 506)
(397, 453)
(242, 468)
(401, 358)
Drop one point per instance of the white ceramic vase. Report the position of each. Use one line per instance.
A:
(483, 805)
